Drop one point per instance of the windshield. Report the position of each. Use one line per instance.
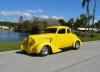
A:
(51, 30)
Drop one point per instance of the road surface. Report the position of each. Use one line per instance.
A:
(86, 59)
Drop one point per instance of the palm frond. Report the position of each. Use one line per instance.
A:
(83, 3)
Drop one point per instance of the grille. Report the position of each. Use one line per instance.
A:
(29, 42)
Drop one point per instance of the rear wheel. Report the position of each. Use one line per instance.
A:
(44, 51)
(77, 45)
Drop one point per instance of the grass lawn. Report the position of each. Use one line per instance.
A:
(15, 45)
(88, 38)
(6, 46)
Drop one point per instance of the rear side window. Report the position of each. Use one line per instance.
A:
(61, 31)
(68, 31)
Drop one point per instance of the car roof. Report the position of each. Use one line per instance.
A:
(58, 27)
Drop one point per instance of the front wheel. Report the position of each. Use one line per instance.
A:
(44, 51)
(77, 45)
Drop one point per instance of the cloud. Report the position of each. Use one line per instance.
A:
(95, 20)
(26, 13)
(57, 17)
(44, 16)
(40, 10)
(35, 11)
(47, 17)
(15, 13)
(3, 13)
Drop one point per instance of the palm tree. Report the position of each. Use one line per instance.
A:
(94, 11)
(87, 4)
(83, 19)
(70, 22)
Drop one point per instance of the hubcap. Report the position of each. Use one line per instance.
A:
(45, 51)
(77, 45)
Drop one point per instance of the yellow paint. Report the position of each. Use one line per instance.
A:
(55, 41)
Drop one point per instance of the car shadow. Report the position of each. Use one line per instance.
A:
(35, 55)
(31, 55)
(67, 49)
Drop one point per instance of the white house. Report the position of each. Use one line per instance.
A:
(83, 29)
(4, 27)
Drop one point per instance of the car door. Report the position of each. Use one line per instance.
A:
(69, 36)
(63, 38)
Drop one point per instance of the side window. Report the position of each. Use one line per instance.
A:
(61, 31)
(68, 31)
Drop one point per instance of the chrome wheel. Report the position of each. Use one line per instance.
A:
(77, 45)
(44, 51)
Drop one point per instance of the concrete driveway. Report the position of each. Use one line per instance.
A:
(86, 59)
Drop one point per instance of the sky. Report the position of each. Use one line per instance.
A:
(11, 10)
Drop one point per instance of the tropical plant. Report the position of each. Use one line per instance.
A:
(87, 4)
(77, 23)
(70, 22)
(98, 24)
(62, 22)
(83, 19)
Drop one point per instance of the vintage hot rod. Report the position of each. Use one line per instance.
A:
(53, 40)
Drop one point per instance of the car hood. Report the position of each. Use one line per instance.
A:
(46, 35)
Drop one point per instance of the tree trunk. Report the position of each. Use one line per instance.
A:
(88, 14)
(93, 15)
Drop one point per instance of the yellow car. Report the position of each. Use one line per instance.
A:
(54, 39)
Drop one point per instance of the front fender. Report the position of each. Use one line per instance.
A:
(41, 45)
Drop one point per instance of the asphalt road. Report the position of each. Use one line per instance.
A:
(86, 59)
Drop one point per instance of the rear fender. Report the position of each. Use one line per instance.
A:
(75, 42)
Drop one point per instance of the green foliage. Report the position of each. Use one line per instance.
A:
(87, 4)
(98, 24)
(77, 23)
(83, 20)
(9, 24)
(88, 38)
(53, 22)
(62, 22)
(32, 27)
(70, 22)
